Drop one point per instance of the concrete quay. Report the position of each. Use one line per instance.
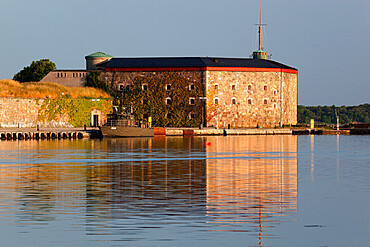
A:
(80, 133)
(213, 131)
(47, 133)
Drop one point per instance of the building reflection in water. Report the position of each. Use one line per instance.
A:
(161, 181)
(245, 183)
(258, 185)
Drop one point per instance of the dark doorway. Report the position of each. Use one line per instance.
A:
(95, 120)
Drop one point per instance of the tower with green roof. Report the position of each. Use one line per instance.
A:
(96, 58)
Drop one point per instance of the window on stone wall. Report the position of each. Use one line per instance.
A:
(192, 101)
(233, 101)
(145, 87)
(249, 87)
(168, 101)
(192, 115)
(145, 101)
(65, 74)
(216, 87)
(275, 92)
(121, 87)
(191, 87)
(265, 101)
(168, 87)
(265, 87)
(249, 101)
(216, 101)
(274, 106)
(232, 87)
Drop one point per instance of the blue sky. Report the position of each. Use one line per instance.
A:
(328, 41)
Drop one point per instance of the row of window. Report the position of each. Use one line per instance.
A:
(59, 74)
(169, 115)
(233, 101)
(233, 88)
(168, 87)
(216, 101)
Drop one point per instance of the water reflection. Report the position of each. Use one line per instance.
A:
(253, 189)
(128, 188)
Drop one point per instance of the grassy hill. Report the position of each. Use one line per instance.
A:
(41, 90)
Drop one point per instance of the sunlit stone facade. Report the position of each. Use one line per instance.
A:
(235, 97)
(250, 99)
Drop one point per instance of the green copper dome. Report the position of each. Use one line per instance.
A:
(98, 54)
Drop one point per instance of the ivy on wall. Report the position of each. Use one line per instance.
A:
(78, 111)
(148, 96)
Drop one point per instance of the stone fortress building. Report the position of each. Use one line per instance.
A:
(221, 92)
(191, 91)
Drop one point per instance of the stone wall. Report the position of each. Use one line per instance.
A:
(18, 112)
(248, 99)
(238, 99)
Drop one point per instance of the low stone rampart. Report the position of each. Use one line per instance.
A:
(52, 113)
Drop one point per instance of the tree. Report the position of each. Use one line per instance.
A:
(36, 71)
(326, 114)
(92, 80)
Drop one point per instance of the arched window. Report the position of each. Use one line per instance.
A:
(249, 87)
(265, 87)
(168, 101)
(249, 101)
(216, 101)
(265, 101)
(233, 101)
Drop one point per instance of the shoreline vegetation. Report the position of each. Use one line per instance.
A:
(47, 90)
(328, 114)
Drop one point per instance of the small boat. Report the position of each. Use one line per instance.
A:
(123, 125)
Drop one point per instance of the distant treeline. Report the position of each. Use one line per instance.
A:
(326, 114)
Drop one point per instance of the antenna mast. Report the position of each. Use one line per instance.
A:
(259, 28)
(260, 54)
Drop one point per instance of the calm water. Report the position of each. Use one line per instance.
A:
(237, 191)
